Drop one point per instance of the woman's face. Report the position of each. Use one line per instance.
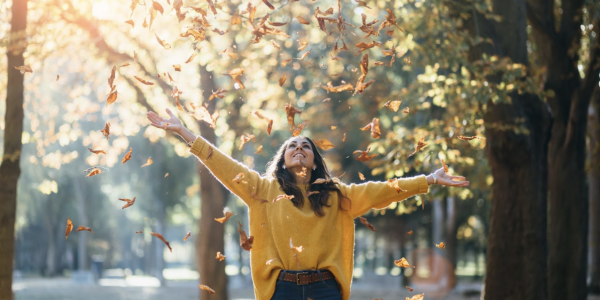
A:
(298, 154)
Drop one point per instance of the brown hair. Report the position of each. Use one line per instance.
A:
(287, 184)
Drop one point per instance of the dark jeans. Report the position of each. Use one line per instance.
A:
(320, 290)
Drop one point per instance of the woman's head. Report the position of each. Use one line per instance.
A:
(292, 156)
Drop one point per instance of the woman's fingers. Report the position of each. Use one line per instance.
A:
(457, 178)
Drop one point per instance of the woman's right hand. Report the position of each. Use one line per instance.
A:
(171, 124)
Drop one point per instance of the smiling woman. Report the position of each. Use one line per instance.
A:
(101, 10)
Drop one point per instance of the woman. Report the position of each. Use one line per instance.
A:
(319, 217)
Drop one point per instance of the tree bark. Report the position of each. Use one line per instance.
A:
(568, 199)
(9, 166)
(83, 219)
(213, 195)
(516, 257)
(594, 194)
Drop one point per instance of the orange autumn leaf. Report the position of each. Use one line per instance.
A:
(235, 74)
(441, 245)
(158, 7)
(212, 7)
(361, 176)
(148, 162)
(177, 68)
(220, 256)
(93, 172)
(275, 45)
(344, 138)
(374, 126)
(166, 175)
(469, 138)
(403, 263)
(187, 235)
(298, 130)
(420, 145)
(245, 241)
(270, 121)
(297, 249)
(364, 155)
(24, 69)
(277, 24)
(206, 288)
(165, 45)
(69, 228)
(410, 232)
(445, 166)
(302, 20)
(143, 81)
(366, 223)
(393, 183)
(220, 93)
(303, 55)
(323, 144)
(338, 89)
(224, 219)
(83, 228)
(111, 78)
(130, 22)
(244, 139)
(238, 178)
(201, 114)
(260, 147)
(268, 4)
(139, 231)
(416, 297)
(407, 60)
(409, 289)
(160, 237)
(127, 156)
(393, 105)
(291, 112)
(281, 197)
(96, 151)
(406, 110)
(129, 203)
(191, 58)
(282, 80)
(112, 97)
(236, 18)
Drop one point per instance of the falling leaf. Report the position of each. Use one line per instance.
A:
(364, 155)
(333, 127)
(297, 249)
(224, 219)
(129, 203)
(259, 149)
(298, 130)
(202, 114)
(364, 69)
(124, 65)
(277, 24)
(83, 228)
(24, 69)
(96, 151)
(191, 58)
(166, 175)
(220, 256)
(244, 139)
(206, 288)
(280, 197)
(416, 297)
(57, 76)
(111, 78)
(268, 4)
(69, 228)
(212, 7)
(127, 156)
(245, 241)
(143, 81)
(106, 130)
(158, 7)
(302, 20)
(221, 32)
(374, 126)
(337, 89)
(409, 289)
(162, 43)
(410, 232)
(220, 93)
(393, 183)
(312, 193)
(177, 68)
(420, 145)
(468, 138)
(148, 162)
(378, 63)
(112, 97)
(302, 173)
(302, 46)
(366, 223)
(393, 105)
(344, 138)
(275, 45)
(236, 18)
(139, 231)
(210, 152)
(403, 263)
(323, 144)
(320, 181)
(270, 261)
(235, 74)
(406, 110)
(93, 172)
(282, 80)
(270, 121)
(407, 60)
(152, 16)
(445, 166)
(304, 55)
(441, 245)
(187, 235)
(130, 22)
(362, 3)
(160, 237)
(361, 176)
(291, 112)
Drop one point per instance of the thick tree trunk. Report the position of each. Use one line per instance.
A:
(9, 165)
(516, 257)
(594, 194)
(213, 195)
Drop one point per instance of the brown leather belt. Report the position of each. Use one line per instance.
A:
(304, 278)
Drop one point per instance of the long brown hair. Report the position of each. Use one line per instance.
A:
(288, 185)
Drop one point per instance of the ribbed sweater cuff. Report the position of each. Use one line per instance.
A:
(198, 147)
(422, 186)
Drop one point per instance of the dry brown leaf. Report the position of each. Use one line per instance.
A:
(93, 172)
(187, 235)
(291, 112)
(282, 80)
(277, 24)
(344, 138)
(24, 69)
(148, 162)
(106, 130)
(111, 78)
(236, 18)
(441, 245)
(158, 7)
(259, 149)
(177, 68)
(206, 288)
(69, 228)
(160, 237)
(407, 60)
(162, 43)
(220, 93)
(302, 20)
(268, 4)
(337, 89)
(409, 289)
(403, 263)
(280, 197)
(245, 241)
(393, 183)
(303, 55)
(366, 223)
(129, 203)
(364, 155)
(393, 105)
(224, 219)
(139, 231)
(143, 81)
(202, 114)
(246, 138)
(406, 110)
(96, 151)
(298, 130)
(235, 74)
(420, 145)
(374, 126)
(410, 232)
(83, 228)
(469, 138)
(416, 297)
(220, 256)
(361, 176)
(302, 46)
(323, 144)
(269, 121)
(445, 166)
(127, 156)
(189, 60)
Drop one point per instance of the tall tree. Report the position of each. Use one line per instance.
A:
(9, 166)
(594, 193)
(213, 195)
(517, 135)
(558, 43)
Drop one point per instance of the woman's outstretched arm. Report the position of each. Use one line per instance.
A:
(249, 186)
(378, 194)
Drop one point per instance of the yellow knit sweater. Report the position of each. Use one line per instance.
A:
(328, 241)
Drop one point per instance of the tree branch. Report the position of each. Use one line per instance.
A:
(541, 21)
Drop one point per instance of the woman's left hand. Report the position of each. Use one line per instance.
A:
(447, 180)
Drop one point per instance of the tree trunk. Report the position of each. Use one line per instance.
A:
(516, 260)
(9, 165)
(213, 195)
(594, 194)
(83, 219)
(160, 247)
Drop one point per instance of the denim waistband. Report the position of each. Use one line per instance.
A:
(282, 272)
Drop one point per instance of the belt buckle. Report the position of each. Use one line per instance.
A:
(298, 278)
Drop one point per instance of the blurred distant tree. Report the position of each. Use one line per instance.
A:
(9, 164)
(593, 168)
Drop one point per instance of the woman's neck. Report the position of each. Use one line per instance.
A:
(301, 177)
